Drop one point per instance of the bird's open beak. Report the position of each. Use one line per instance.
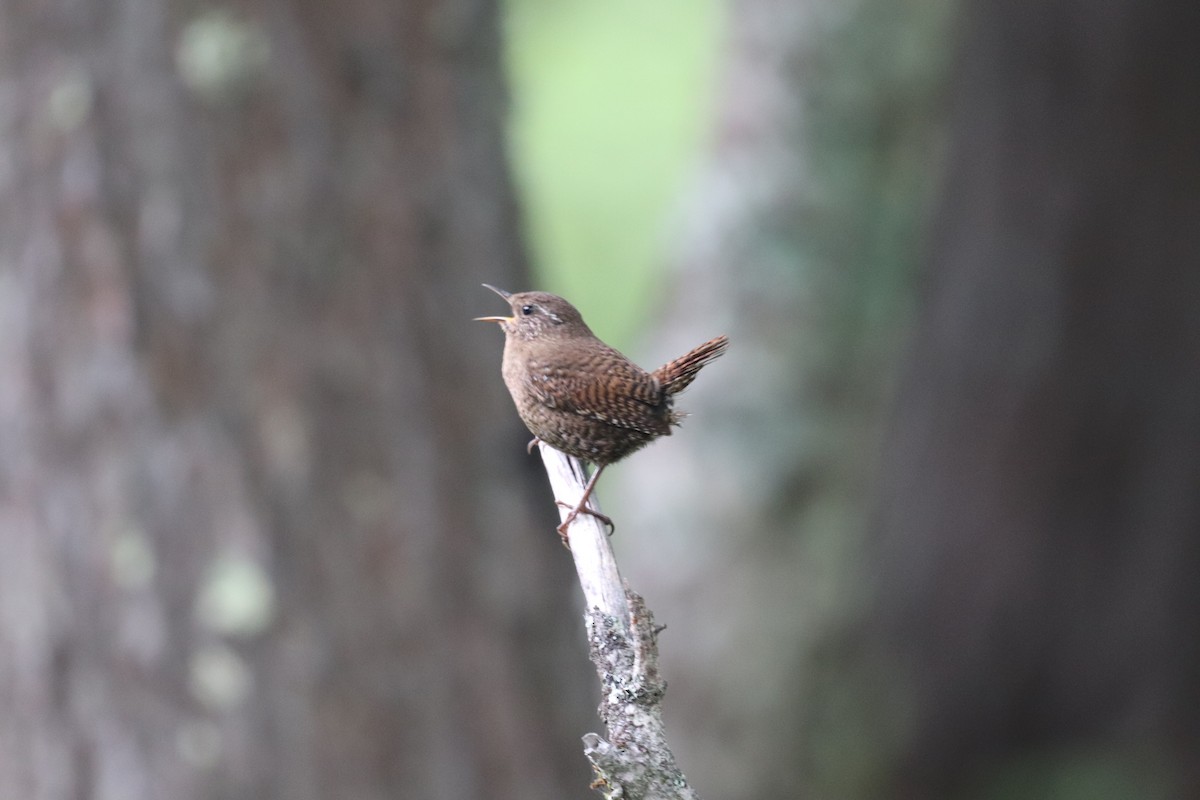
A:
(503, 294)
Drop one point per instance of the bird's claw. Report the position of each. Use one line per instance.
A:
(575, 511)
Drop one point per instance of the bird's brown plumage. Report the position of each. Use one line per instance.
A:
(580, 396)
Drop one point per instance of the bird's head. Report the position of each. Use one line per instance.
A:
(539, 315)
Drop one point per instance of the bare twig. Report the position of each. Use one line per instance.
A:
(635, 761)
(603, 587)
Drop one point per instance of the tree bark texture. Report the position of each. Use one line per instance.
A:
(1037, 545)
(256, 543)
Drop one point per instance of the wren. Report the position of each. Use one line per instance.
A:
(582, 397)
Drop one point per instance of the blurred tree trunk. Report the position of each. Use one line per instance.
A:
(1039, 537)
(742, 529)
(259, 536)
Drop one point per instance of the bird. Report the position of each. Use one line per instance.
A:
(582, 397)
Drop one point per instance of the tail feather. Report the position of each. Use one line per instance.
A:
(677, 375)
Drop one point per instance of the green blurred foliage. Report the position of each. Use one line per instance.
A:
(1078, 774)
(610, 104)
(875, 114)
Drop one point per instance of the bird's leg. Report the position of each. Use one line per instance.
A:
(582, 507)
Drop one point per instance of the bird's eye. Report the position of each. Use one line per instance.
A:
(526, 310)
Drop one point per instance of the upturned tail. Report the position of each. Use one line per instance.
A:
(677, 375)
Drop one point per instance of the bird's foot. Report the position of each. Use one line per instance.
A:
(532, 443)
(576, 511)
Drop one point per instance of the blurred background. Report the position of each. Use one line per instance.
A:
(267, 524)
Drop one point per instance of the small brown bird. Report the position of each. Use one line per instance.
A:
(580, 396)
